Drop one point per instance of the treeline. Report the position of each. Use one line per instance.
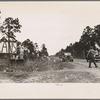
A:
(88, 38)
(9, 27)
(32, 49)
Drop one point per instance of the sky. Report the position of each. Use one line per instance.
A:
(55, 23)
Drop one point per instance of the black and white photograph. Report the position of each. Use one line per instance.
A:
(50, 42)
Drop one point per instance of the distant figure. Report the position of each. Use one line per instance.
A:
(21, 53)
(91, 58)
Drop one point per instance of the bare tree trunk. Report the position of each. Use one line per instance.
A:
(8, 52)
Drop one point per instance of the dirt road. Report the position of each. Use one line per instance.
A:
(64, 72)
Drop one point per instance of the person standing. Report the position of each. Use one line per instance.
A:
(91, 58)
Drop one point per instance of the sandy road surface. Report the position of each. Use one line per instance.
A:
(82, 65)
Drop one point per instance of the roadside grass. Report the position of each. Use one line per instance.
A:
(13, 77)
(58, 76)
(22, 71)
(50, 70)
(42, 65)
(62, 77)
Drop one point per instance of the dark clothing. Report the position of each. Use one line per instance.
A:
(91, 54)
(91, 58)
(93, 62)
